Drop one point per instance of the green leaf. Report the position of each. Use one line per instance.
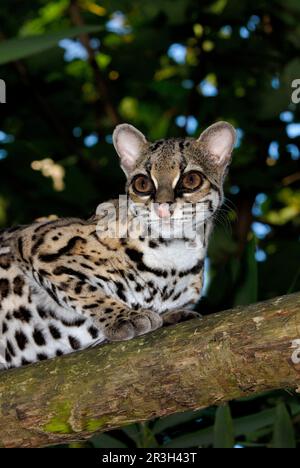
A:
(223, 429)
(284, 434)
(146, 437)
(141, 434)
(174, 420)
(218, 6)
(20, 48)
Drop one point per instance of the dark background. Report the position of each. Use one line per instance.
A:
(170, 68)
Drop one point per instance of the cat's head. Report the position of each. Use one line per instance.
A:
(173, 176)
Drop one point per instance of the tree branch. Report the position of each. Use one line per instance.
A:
(190, 366)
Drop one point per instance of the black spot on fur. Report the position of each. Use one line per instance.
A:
(59, 353)
(55, 333)
(24, 362)
(153, 245)
(42, 313)
(91, 306)
(4, 288)
(134, 255)
(42, 225)
(137, 257)
(37, 244)
(4, 327)
(102, 278)
(23, 314)
(78, 288)
(87, 267)
(61, 270)
(193, 271)
(177, 296)
(48, 258)
(120, 291)
(78, 322)
(42, 273)
(18, 285)
(41, 357)
(93, 332)
(21, 339)
(75, 344)
(39, 337)
(5, 262)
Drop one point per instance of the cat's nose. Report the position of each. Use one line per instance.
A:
(164, 210)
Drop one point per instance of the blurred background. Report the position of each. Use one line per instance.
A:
(76, 68)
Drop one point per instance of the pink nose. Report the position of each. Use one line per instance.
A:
(163, 210)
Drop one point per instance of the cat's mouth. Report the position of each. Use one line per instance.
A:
(166, 214)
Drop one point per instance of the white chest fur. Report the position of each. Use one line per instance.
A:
(178, 255)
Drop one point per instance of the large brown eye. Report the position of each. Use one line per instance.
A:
(143, 185)
(192, 181)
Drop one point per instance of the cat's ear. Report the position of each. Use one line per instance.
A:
(219, 140)
(129, 143)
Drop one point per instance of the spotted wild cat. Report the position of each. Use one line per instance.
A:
(69, 284)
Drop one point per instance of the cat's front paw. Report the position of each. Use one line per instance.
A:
(177, 316)
(135, 323)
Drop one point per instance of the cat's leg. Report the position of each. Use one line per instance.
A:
(118, 322)
(113, 318)
(179, 315)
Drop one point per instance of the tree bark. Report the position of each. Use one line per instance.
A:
(189, 366)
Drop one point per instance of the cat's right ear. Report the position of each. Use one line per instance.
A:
(129, 143)
(219, 140)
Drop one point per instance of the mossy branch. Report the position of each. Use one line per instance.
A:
(189, 366)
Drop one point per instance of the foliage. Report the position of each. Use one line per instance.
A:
(170, 68)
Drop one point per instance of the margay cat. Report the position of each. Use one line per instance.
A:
(64, 287)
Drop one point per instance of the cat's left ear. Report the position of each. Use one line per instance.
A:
(129, 143)
(219, 140)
